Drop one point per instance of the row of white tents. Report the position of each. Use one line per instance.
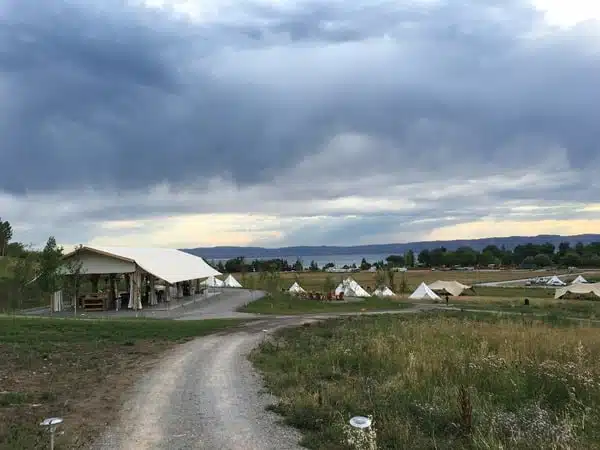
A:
(350, 288)
(214, 282)
(555, 281)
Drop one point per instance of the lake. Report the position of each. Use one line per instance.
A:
(321, 260)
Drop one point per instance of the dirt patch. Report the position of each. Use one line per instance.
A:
(78, 370)
(83, 384)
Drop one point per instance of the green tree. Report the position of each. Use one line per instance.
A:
(313, 267)
(6, 234)
(409, 259)
(425, 257)
(391, 274)
(380, 278)
(328, 284)
(23, 277)
(542, 260)
(298, 267)
(570, 259)
(51, 276)
(395, 260)
(403, 285)
(364, 265)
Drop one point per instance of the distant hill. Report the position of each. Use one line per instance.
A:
(385, 249)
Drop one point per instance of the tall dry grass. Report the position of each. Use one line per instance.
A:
(439, 381)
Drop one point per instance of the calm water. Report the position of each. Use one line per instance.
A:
(338, 260)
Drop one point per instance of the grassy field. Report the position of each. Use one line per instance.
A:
(585, 309)
(315, 281)
(78, 370)
(439, 381)
(282, 303)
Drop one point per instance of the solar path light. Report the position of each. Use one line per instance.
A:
(360, 422)
(51, 423)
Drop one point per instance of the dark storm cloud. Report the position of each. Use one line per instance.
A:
(99, 94)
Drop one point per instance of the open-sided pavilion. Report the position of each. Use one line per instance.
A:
(154, 274)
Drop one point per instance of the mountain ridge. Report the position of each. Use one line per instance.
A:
(509, 242)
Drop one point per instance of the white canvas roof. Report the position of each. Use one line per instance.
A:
(579, 279)
(555, 281)
(168, 264)
(296, 288)
(230, 281)
(383, 292)
(351, 288)
(213, 282)
(579, 288)
(423, 292)
(453, 288)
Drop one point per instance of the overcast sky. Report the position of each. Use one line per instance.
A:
(308, 122)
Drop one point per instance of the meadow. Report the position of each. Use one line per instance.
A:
(283, 304)
(77, 369)
(316, 281)
(443, 381)
(584, 309)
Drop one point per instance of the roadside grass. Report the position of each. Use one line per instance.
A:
(78, 370)
(444, 381)
(282, 303)
(585, 309)
(499, 291)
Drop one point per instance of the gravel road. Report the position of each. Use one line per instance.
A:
(205, 395)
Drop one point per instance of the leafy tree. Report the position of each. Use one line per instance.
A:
(395, 260)
(23, 276)
(50, 277)
(528, 262)
(328, 284)
(425, 257)
(570, 259)
(313, 267)
(403, 285)
(542, 260)
(298, 267)
(390, 276)
(364, 265)
(6, 234)
(380, 278)
(409, 259)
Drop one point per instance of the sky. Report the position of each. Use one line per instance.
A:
(186, 123)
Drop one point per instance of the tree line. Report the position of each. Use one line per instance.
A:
(28, 277)
(526, 256)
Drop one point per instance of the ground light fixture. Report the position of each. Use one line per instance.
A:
(360, 422)
(51, 423)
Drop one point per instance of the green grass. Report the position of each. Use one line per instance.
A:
(77, 369)
(444, 381)
(283, 303)
(520, 292)
(585, 309)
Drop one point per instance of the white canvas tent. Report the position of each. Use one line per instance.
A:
(231, 282)
(453, 288)
(578, 280)
(423, 292)
(140, 264)
(555, 281)
(296, 288)
(383, 292)
(351, 288)
(212, 282)
(580, 289)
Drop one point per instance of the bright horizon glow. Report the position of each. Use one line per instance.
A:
(567, 14)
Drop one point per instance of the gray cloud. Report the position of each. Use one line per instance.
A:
(295, 104)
